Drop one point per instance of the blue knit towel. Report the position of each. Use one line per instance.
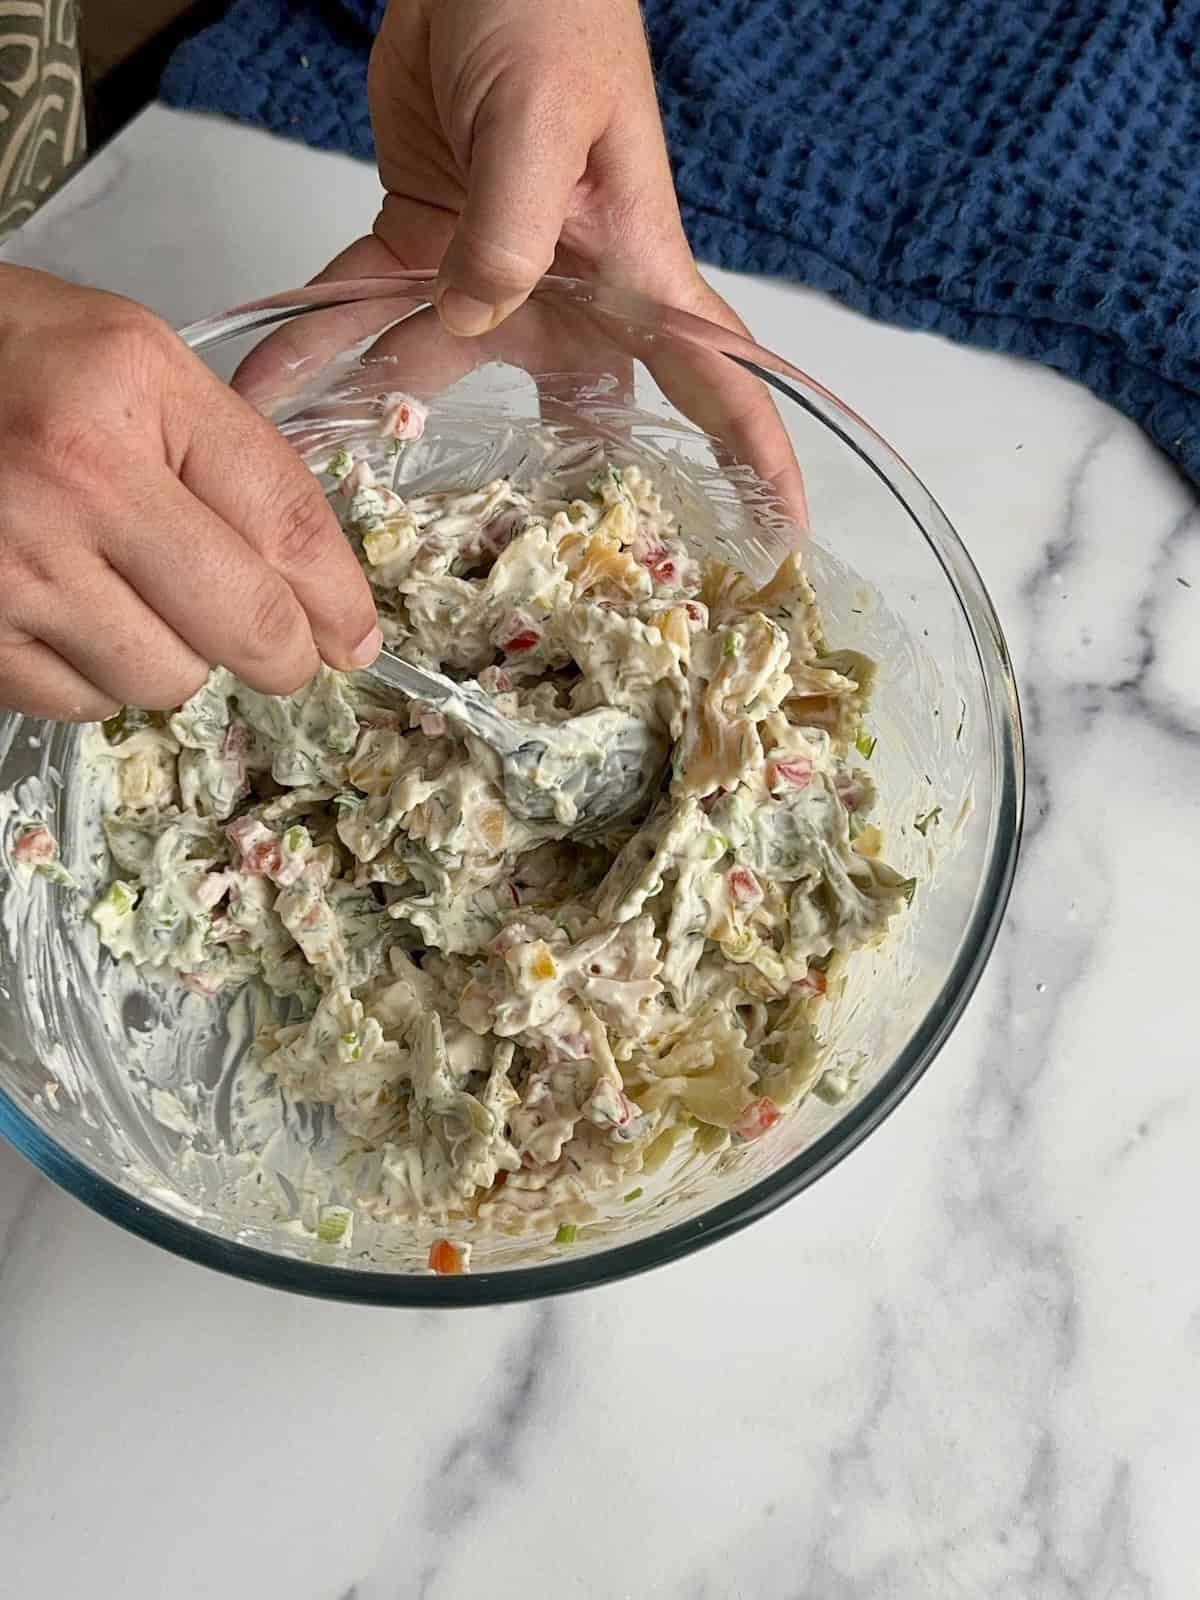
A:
(1023, 174)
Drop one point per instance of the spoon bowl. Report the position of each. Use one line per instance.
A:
(585, 774)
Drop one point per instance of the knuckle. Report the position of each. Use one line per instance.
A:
(28, 586)
(273, 622)
(47, 435)
(172, 688)
(305, 531)
(133, 337)
(287, 678)
(483, 264)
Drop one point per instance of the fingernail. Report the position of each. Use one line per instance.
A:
(463, 315)
(363, 654)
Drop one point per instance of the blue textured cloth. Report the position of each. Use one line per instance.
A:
(1023, 174)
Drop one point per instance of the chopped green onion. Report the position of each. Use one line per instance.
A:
(341, 464)
(566, 1233)
(865, 743)
(907, 889)
(352, 1046)
(334, 1225)
(634, 1194)
(297, 839)
(731, 645)
(55, 872)
(923, 824)
(348, 800)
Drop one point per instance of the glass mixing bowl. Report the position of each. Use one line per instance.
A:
(94, 1063)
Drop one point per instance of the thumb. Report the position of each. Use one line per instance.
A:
(526, 161)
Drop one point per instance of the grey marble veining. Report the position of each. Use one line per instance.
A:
(966, 1363)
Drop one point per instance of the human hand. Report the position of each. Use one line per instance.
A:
(151, 523)
(515, 138)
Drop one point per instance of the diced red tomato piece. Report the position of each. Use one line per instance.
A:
(758, 1116)
(445, 1258)
(35, 847)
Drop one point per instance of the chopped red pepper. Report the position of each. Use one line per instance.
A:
(35, 847)
(814, 982)
(758, 1116)
(525, 640)
(743, 886)
(446, 1258)
(259, 848)
(793, 772)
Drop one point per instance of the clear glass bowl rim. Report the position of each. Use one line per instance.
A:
(623, 1260)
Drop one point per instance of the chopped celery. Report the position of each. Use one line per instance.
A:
(341, 464)
(731, 646)
(634, 1194)
(335, 1225)
(119, 898)
(865, 743)
(566, 1233)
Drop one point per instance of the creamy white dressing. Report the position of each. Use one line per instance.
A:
(508, 1023)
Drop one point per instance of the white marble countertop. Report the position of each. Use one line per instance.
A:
(966, 1363)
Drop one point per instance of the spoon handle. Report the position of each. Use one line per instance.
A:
(416, 682)
(466, 703)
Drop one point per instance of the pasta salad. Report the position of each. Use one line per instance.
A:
(515, 1021)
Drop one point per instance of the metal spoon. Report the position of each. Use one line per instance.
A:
(588, 773)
